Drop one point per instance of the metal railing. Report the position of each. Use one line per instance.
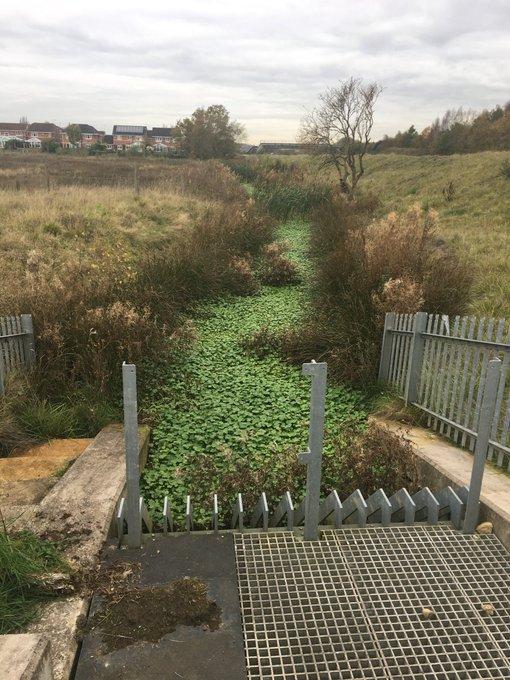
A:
(17, 346)
(441, 365)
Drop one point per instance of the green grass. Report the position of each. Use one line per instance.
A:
(24, 558)
(220, 400)
(476, 220)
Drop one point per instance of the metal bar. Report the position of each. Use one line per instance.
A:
(379, 505)
(331, 506)
(132, 453)
(261, 511)
(189, 514)
(416, 357)
(355, 503)
(313, 458)
(466, 430)
(471, 341)
(385, 361)
(144, 514)
(215, 514)
(285, 508)
(168, 519)
(490, 392)
(401, 500)
(238, 513)
(119, 520)
(9, 336)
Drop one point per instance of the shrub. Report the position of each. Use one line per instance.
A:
(284, 200)
(505, 169)
(448, 192)
(261, 342)
(240, 278)
(365, 268)
(277, 270)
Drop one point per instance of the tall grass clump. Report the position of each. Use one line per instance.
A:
(366, 267)
(25, 560)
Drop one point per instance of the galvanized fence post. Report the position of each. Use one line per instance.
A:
(28, 340)
(416, 357)
(487, 410)
(134, 519)
(313, 457)
(387, 342)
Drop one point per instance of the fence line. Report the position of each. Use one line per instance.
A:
(17, 346)
(440, 365)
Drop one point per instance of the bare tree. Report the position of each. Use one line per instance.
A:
(339, 129)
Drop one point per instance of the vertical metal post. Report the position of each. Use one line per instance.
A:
(313, 457)
(487, 410)
(416, 357)
(28, 340)
(134, 519)
(387, 343)
(2, 387)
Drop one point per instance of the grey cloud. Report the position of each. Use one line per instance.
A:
(266, 61)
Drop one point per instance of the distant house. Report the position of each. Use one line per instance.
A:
(13, 129)
(46, 131)
(89, 135)
(108, 142)
(125, 136)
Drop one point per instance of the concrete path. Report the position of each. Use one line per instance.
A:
(442, 463)
(193, 653)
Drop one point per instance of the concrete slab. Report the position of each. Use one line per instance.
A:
(80, 507)
(57, 623)
(187, 652)
(25, 657)
(442, 463)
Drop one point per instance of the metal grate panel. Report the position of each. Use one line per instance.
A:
(350, 605)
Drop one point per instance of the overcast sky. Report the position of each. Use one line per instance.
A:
(265, 60)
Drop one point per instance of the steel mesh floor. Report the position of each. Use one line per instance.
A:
(350, 605)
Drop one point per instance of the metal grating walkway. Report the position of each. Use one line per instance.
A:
(350, 606)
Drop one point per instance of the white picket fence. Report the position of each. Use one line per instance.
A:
(440, 365)
(17, 347)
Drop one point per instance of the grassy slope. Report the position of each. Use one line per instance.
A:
(221, 398)
(477, 220)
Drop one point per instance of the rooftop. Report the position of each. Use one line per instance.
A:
(129, 129)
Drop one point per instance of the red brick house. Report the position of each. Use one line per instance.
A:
(125, 136)
(13, 129)
(162, 138)
(89, 135)
(44, 131)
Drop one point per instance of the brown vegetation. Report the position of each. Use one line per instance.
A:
(366, 267)
(106, 275)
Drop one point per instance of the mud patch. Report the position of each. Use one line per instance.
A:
(147, 614)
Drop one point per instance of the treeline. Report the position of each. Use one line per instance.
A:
(458, 131)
